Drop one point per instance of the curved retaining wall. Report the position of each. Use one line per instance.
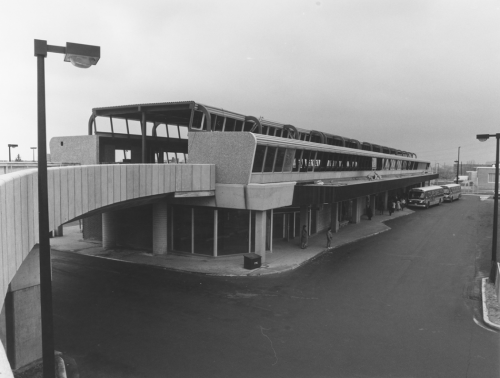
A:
(76, 190)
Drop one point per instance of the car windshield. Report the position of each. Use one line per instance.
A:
(416, 195)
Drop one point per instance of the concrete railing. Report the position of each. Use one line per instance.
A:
(76, 190)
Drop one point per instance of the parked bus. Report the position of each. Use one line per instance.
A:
(452, 192)
(426, 196)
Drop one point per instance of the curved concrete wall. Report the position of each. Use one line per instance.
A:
(77, 190)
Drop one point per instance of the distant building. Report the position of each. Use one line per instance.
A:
(483, 178)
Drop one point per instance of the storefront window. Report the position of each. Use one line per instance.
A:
(232, 231)
(204, 231)
(182, 228)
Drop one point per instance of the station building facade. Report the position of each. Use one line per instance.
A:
(270, 179)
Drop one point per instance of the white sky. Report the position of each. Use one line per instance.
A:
(420, 76)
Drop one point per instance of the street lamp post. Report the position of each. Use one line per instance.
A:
(458, 163)
(492, 277)
(82, 56)
(11, 146)
(33, 148)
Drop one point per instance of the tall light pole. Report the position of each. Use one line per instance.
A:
(492, 277)
(11, 146)
(458, 163)
(82, 56)
(33, 148)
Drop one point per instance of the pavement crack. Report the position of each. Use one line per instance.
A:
(262, 329)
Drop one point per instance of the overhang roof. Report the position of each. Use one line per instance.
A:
(346, 190)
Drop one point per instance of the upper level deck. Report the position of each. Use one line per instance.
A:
(244, 158)
(164, 126)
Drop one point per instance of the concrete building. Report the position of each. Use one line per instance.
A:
(271, 179)
(187, 178)
(484, 178)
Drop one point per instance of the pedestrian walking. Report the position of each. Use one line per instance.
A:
(303, 237)
(329, 237)
(369, 212)
(398, 205)
(392, 206)
(403, 204)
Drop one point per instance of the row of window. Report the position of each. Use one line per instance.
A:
(221, 123)
(279, 159)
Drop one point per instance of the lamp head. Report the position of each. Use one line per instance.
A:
(482, 137)
(82, 56)
(13, 145)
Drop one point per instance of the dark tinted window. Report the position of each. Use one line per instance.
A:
(280, 158)
(229, 124)
(268, 165)
(219, 122)
(258, 161)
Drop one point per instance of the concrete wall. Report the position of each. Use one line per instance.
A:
(10, 167)
(232, 153)
(77, 190)
(482, 178)
(20, 318)
(249, 197)
(82, 149)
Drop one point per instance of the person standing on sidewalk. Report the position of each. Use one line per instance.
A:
(369, 212)
(329, 237)
(303, 238)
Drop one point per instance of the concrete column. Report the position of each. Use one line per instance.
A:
(58, 231)
(20, 318)
(270, 227)
(160, 227)
(373, 204)
(304, 218)
(356, 210)
(260, 234)
(109, 230)
(386, 200)
(335, 224)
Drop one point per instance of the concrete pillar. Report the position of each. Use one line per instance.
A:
(160, 227)
(260, 234)
(373, 204)
(20, 318)
(335, 224)
(304, 218)
(386, 200)
(109, 230)
(59, 231)
(356, 210)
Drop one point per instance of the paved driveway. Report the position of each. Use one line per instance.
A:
(398, 304)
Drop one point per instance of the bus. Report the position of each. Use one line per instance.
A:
(452, 192)
(425, 196)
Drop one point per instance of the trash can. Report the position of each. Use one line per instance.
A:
(251, 261)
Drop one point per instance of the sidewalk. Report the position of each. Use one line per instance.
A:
(285, 255)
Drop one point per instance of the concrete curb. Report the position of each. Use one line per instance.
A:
(264, 273)
(486, 317)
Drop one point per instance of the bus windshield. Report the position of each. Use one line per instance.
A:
(416, 195)
(446, 190)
